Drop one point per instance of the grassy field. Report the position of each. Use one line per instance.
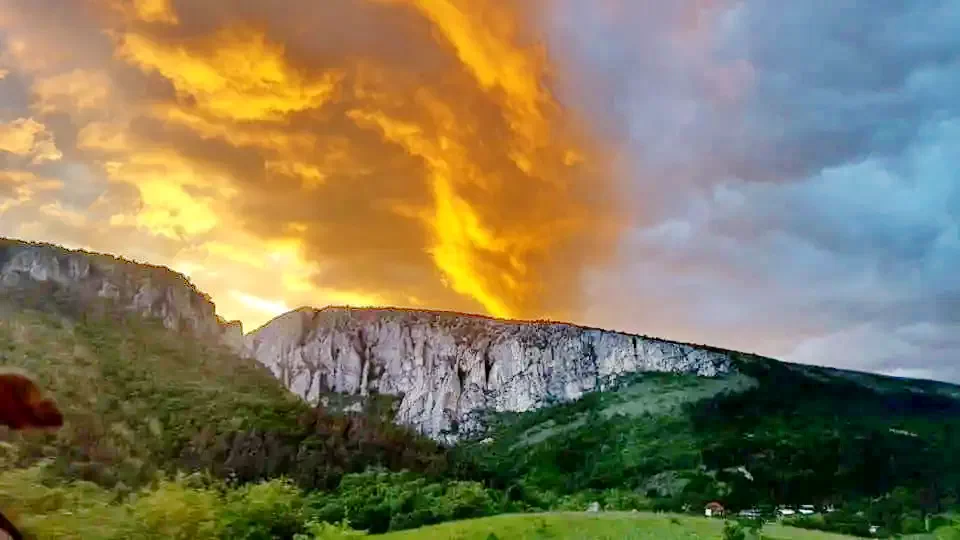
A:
(601, 526)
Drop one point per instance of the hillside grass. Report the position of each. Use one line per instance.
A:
(141, 400)
(600, 526)
(134, 395)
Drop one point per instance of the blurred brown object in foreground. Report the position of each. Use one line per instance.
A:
(23, 406)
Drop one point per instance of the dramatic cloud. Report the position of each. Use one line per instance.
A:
(399, 152)
(776, 177)
(795, 175)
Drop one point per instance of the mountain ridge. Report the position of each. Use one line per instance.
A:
(443, 366)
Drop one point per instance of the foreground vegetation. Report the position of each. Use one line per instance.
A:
(200, 507)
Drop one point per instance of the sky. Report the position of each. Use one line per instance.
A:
(774, 177)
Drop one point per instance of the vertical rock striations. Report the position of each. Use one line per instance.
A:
(445, 366)
(150, 291)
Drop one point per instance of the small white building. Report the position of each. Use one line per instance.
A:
(785, 512)
(713, 509)
(752, 513)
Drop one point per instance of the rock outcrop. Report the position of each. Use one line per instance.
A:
(150, 291)
(445, 366)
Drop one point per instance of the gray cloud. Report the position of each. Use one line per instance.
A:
(814, 214)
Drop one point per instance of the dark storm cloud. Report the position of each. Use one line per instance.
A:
(813, 214)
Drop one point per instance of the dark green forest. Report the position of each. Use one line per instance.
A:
(798, 436)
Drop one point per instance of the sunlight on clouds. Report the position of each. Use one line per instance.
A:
(19, 187)
(311, 175)
(470, 254)
(280, 168)
(235, 74)
(265, 278)
(230, 252)
(177, 200)
(279, 138)
(268, 307)
(488, 50)
(150, 11)
(102, 136)
(75, 91)
(56, 211)
(458, 233)
(28, 138)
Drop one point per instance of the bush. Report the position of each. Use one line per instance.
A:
(176, 510)
(734, 531)
(379, 501)
(329, 531)
(264, 511)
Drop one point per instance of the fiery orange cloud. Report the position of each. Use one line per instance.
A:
(407, 152)
(235, 74)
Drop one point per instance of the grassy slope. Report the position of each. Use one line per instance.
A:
(133, 393)
(139, 398)
(608, 526)
(806, 435)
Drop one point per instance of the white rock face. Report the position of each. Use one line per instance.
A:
(151, 291)
(445, 366)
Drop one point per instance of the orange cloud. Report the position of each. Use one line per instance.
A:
(26, 137)
(19, 187)
(287, 158)
(235, 74)
(149, 11)
(75, 91)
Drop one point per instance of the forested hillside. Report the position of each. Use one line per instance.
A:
(773, 434)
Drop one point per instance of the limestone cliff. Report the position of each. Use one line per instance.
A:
(151, 291)
(445, 366)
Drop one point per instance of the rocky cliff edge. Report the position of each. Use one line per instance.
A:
(150, 291)
(444, 366)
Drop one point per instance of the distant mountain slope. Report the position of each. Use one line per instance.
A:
(79, 278)
(766, 433)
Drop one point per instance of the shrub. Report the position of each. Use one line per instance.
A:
(264, 511)
(176, 510)
(379, 501)
(733, 531)
(319, 530)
